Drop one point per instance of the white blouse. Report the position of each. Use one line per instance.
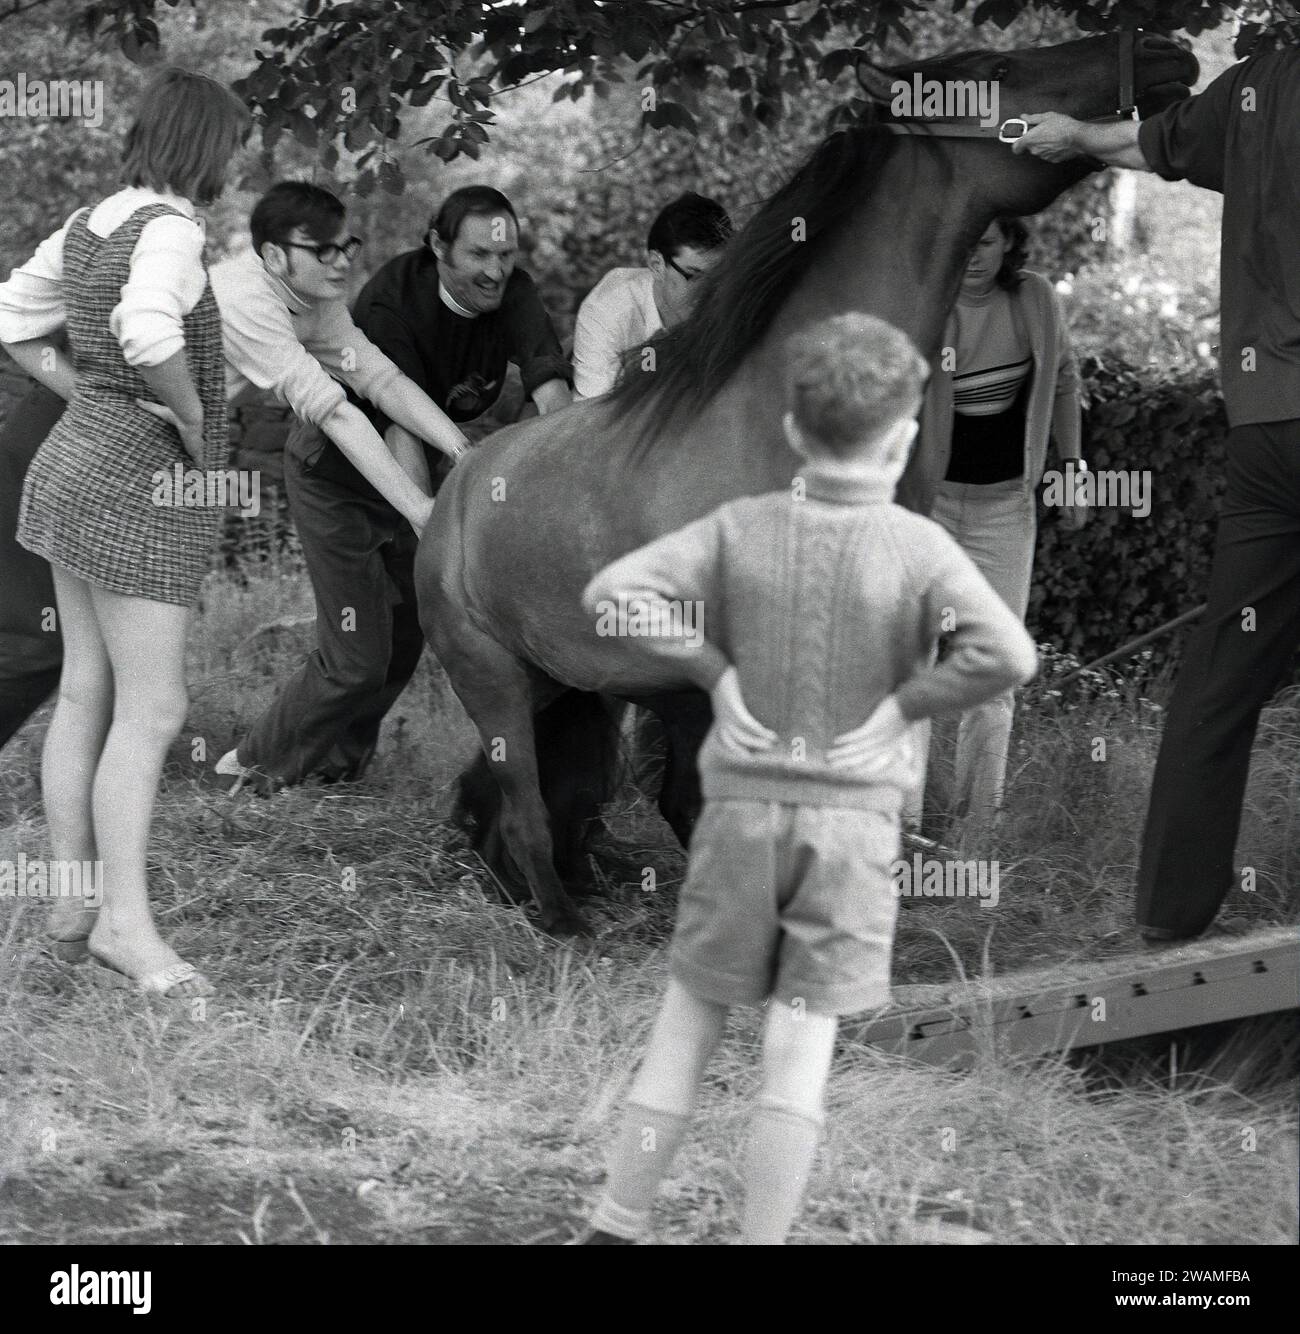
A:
(167, 279)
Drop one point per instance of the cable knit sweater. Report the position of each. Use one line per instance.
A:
(827, 599)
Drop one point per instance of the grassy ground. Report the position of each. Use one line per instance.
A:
(395, 1056)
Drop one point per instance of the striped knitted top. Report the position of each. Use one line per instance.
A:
(993, 359)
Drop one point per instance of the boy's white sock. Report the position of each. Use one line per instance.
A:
(782, 1143)
(639, 1160)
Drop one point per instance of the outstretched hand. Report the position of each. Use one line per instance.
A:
(738, 729)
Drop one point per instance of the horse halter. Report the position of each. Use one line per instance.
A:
(1013, 127)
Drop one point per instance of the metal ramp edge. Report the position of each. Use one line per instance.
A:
(1036, 1012)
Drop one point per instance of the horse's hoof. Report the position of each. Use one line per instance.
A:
(566, 923)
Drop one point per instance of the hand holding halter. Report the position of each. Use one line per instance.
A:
(1015, 128)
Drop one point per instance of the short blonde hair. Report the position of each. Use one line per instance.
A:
(850, 378)
(186, 129)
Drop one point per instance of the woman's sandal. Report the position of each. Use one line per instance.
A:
(160, 983)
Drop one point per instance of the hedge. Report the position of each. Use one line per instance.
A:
(1123, 575)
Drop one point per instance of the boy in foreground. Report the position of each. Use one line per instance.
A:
(821, 607)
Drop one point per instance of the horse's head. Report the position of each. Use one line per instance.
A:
(1083, 79)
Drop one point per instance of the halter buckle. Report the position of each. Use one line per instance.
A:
(1010, 138)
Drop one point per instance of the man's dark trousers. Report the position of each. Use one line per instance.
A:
(360, 555)
(31, 647)
(1229, 672)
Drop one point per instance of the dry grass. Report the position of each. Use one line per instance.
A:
(395, 1056)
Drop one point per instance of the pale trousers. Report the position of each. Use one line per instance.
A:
(996, 525)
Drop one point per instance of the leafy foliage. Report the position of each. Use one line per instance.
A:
(340, 75)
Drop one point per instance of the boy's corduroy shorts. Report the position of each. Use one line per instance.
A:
(790, 901)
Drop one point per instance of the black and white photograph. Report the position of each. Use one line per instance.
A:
(649, 622)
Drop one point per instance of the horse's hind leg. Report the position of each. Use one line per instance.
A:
(577, 755)
(478, 812)
(498, 693)
(686, 716)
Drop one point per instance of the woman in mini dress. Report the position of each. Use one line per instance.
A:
(1004, 385)
(146, 391)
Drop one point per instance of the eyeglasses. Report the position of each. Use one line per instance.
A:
(329, 252)
(689, 277)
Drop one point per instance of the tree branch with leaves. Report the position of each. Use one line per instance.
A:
(341, 74)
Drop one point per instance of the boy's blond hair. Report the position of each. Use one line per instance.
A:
(850, 378)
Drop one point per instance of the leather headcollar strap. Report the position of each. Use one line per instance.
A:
(1013, 127)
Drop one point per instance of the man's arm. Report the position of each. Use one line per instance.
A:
(409, 453)
(551, 397)
(406, 405)
(383, 380)
(349, 428)
(1060, 138)
(534, 346)
(1185, 141)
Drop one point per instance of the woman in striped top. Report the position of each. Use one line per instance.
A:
(1004, 383)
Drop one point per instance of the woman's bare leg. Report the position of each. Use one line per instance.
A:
(72, 747)
(146, 645)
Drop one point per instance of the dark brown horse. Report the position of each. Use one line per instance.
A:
(875, 221)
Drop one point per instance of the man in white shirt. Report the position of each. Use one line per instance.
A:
(629, 306)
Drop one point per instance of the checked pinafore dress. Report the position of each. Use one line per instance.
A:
(91, 499)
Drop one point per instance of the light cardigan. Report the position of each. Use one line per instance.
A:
(166, 279)
(1055, 376)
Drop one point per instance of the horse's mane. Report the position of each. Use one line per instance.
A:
(744, 291)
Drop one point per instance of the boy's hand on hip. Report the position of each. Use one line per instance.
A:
(883, 740)
(738, 729)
